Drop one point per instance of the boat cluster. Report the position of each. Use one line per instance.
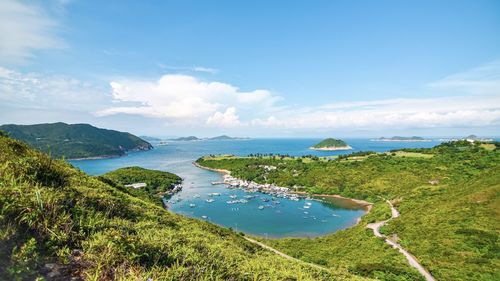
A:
(250, 186)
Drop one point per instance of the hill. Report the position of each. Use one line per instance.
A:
(448, 197)
(331, 144)
(190, 138)
(76, 140)
(158, 183)
(57, 223)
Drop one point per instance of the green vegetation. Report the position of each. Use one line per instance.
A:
(330, 143)
(158, 182)
(57, 222)
(76, 140)
(448, 196)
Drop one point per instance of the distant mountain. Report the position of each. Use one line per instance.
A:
(190, 138)
(331, 144)
(398, 138)
(193, 138)
(148, 138)
(76, 140)
(224, 137)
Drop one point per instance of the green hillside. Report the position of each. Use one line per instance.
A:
(158, 182)
(76, 140)
(448, 196)
(57, 222)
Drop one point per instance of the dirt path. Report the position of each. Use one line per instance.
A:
(284, 255)
(411, 259)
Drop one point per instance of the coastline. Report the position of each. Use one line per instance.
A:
(331, 148)
(367, 206)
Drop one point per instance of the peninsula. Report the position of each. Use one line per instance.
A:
(331, 144)
(76, 141)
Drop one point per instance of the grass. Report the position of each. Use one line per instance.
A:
(448, 197)
(53, 214)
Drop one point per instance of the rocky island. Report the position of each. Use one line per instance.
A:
(331, 144)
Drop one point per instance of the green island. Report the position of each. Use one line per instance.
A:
(74, 141)
(331, 144)
(56, 222)
(448, 198)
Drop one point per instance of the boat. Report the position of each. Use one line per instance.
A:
(214, 194)
(192, 205)
(261, 207)
(233, 196)
(308, 203)
(307, 207)
(243, 201)
(306, 213)
(210, 200)
(204, 217)
(196, 196)
(217, 182)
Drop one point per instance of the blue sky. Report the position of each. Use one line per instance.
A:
(258, 68)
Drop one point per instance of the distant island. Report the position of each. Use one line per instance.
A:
(398, 138)
(223, 137)
(190, 138)
(76, 141)
(148, 138)
(331, 144)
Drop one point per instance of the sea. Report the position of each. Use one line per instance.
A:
(261, 215)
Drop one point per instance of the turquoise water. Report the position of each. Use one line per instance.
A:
(286, 219)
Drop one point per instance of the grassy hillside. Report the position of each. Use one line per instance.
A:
(330, 143)
(57, 222)
(448, 196)
(76, 140)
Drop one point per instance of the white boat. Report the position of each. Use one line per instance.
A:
(261, 207)
(306, 213)
(196, 196)
(214, 194)
(308, 203)
(192, 205)
(210, 200)
(233, 196)
(204, 217)
(307, 207)
(243, 201)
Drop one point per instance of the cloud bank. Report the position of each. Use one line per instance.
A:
(24, 28)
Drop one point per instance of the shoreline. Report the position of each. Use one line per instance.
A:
(367, 206)
(331, 148)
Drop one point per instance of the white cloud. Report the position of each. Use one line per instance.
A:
(48, 92)
(24, 28)
(475, 111)
(227, 119)
(186, 99)
(482, 80)
(205, 69)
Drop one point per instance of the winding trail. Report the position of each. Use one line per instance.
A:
(283, 254)
(411, 259)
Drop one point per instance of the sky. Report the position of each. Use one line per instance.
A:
(254, 68)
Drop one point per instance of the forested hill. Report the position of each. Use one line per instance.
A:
(76, 140)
